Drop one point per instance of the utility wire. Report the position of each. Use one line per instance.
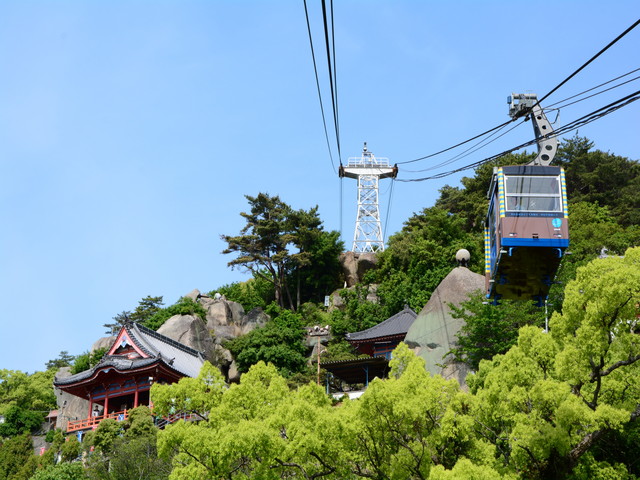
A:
(614, 41)
(315, 69)
(474, 148)
(597, 86)
(455, 146)
(331, 79)
(335, 80)
(537, 103)
(563, 105)
(584, 120)
(483, 143)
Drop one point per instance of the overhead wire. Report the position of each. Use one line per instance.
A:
(481, 144)
(597, 86)
(331, 79)
(315, 69)
(584, 120)
(563, 105)
(584, 65)
(544, 97)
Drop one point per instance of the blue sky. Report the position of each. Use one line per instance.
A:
(131, 131)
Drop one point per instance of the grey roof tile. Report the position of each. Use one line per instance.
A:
(398, 324)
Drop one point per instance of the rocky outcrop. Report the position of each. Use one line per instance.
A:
(434, 332)
(104, 342)
(355, 265)
(225, 320)
(70, 407)
(191, 331)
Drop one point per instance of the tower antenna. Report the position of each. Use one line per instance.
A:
(368, 170)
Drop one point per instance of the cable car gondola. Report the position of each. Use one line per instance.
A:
(526, 230)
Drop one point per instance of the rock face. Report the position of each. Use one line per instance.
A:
(225, 320)
(434, 332)
(355, 265)
(189, 330)
(70, 407)
(104, 342)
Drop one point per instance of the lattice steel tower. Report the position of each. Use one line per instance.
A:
(368, 170)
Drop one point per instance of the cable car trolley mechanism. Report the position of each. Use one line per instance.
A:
(526, 231)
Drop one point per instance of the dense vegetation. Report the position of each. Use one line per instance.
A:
(545, 409)
(557, 405)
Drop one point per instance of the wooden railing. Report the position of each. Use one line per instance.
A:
(91, 422)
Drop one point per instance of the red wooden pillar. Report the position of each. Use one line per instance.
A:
(135, 397)
(106, 403)
(90, 406)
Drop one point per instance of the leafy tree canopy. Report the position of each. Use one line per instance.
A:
(286, 247)
(280, 342)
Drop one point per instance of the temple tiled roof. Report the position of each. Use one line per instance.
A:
(159, 348)
(399, 324)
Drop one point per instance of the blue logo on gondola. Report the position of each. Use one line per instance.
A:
(556, 222)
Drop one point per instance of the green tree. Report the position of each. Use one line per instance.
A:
(127, 450)
(64, 360)
(25, 400)
(14, 453)
(420, 256)
(285, 246)
(546, 402)
(87, 360)
(280, 342)
(62, 471)
(184, 306)
(253, 293)
(489, 330)
(147, 308)
(594, 176)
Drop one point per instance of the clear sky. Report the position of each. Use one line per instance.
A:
(131, 131)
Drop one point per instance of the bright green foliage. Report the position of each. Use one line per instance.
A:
(545, 402)
(71, 449)
(489, 330)
(184, 306)
(24, 400)
(190, 395)
(465, 469)
(106, 434)
(62, 471)
(598, 332)
(279, 342)
(405, 425)
(254, 293)
(126, 450)
(87, 360)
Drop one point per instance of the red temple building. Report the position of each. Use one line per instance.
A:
(377, 342)
(122, 379)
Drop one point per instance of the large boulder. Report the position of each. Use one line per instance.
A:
(70, 407)
(434, 332)
(104, 342)
(355, 265)
(191, 331)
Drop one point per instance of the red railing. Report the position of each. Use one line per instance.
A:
(92, 422)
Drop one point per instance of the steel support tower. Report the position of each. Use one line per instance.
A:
(368, 170)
